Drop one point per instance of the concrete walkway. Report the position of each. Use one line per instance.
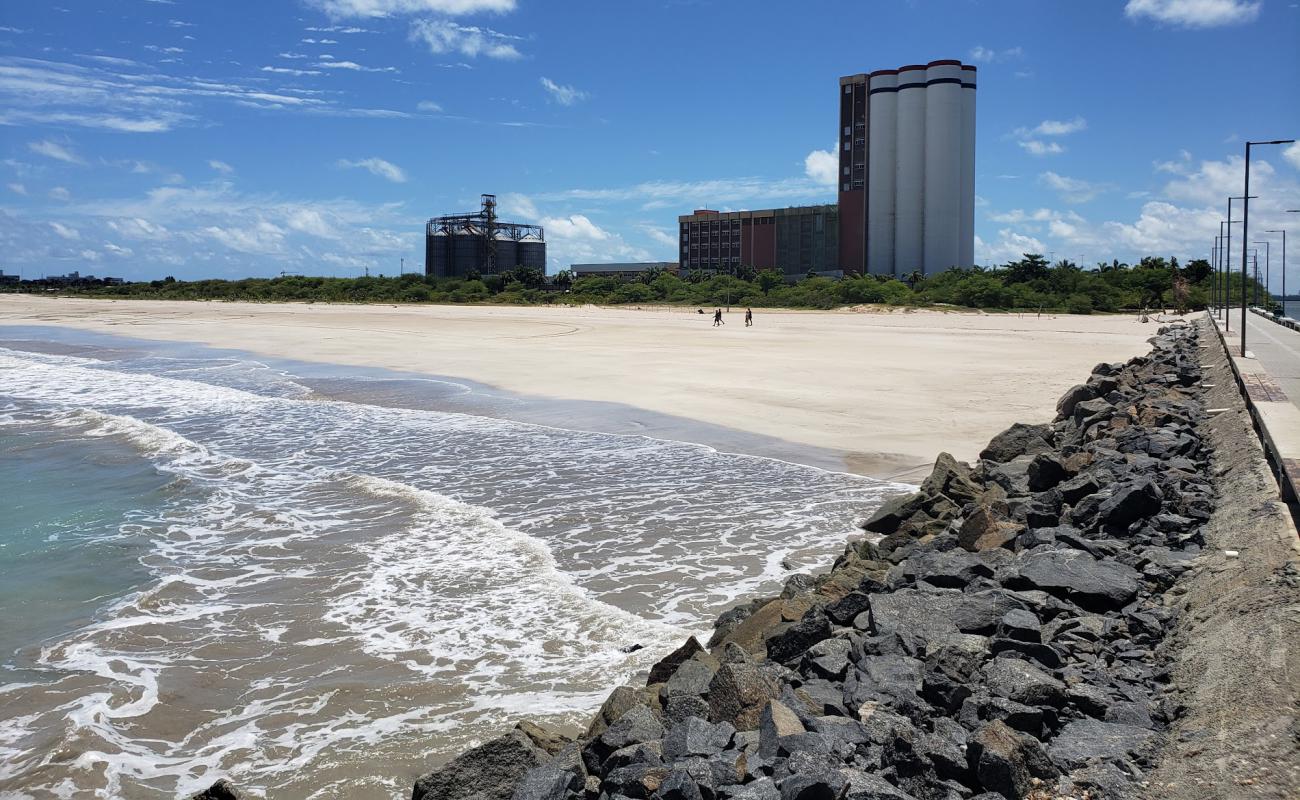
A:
(1275, 347)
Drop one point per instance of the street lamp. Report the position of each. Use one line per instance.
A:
(1245, 234)
(1266, 292)
(1283, 232)
(1227, 253)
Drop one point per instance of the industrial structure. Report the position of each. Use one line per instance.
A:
(795, 240)
(626, 271)
(906, 182)
(458, 245)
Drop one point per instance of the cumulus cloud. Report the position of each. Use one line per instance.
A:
(1292, 154)
(1036, 148)
(564, 95)
(1194, 13)
(445, 36)
(221, 166)
(377, 166)
(65, 232)
(428, 107)
(1055, 127)
(1071, 190)
(1009, 246)
(388, 8)
(575, 226)
(822, 166)
(52, 149)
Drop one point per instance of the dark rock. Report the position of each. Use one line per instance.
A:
(662, 671)
(1073, 396)
(679, 785)
(691, 678)
(1129, 503)
(828, 658)
(1022, 682)
(550, 782)
(490, 771)
(697, 737)
(682, 706)
(1020, 624)
(952, 479)
(761, 789)
(985, 528)
(795, 640)
(892, 513)
(738, 692)
(1018, 440)
(843, 611)
(1007, 762)
(637, 781)
(619, 702)
(952, 569)
(868, 786)
(1087, 740)
(1012, 476)
(642, 753)
(1045, 472)
(822, 784)
(1080, 577)
(221, 790)
(1077, 488)
(776, 722)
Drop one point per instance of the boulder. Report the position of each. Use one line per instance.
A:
(550, 782)
(828, 658)
(869, 786)
(1022, 682)
(1073, 396)
(491, 771)
(1087, 741)
(1045, 471)
(1076, 575)
(221, 790)
(697, 737)
(1129, 503)
(985, 528)
(1018, 440)
(1008, 762)
(691, 678)
(843, 611)
(776, 723)
(619, 702)
(892, 513)
(952, 479)
(738, 692)
(667, 665)
(794, 641)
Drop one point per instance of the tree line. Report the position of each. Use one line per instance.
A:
(1030, 283)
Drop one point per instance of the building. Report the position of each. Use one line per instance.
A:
(624, 272)
(906, 144)
(8, 280)
(907, 169)
(795, 241)
(458, 245)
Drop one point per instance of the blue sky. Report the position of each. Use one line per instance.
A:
(143, 138)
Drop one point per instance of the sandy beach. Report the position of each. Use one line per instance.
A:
(888, 390)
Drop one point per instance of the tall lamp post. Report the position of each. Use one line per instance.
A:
(1214, 272)
(1267, 294)
(1245, 233)
(1227, 257)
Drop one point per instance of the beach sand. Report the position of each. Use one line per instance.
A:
(886, 390)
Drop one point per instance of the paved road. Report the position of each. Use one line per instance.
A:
(1277, 349)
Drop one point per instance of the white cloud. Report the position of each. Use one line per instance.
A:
(428, 107)
(564, 95)
(822, 166)
(294, 55)
(312, 222)
(221, 166)
(576, 226)
(444, 36)
(60, 193)
(352, 65)
(1036, 148)
(289, 71)
(52, 149)
(377, 166)
(387, 8)
(1009, 246)
(1179, 166)
(338, 29)
(1292, 154)
(319, 41)
(1194, 13)
(117, 250)
(137, 228)
(1054, 127)
(261, 238)
(65, 232)
(662, 236)
(17, 188)
(988, 55)
(1071, 190)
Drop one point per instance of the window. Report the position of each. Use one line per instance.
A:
(848, 89)
(846, 170)
(847, 146)
(846, 187)
(848, 131)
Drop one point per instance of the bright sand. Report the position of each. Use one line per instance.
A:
(889, 390)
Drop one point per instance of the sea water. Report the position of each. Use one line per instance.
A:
(209, 569)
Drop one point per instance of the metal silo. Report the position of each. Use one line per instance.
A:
(882, 144)
(943, 162)
(966, 240)
(532, 253)
(909, 193)
(507, 254)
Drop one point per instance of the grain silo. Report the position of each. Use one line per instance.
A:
(458, 245)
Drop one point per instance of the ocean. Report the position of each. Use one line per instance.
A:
(322, 583)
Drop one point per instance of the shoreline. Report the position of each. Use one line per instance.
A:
(888, 390)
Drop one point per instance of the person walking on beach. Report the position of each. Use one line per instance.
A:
(749, 317)
(717, 317)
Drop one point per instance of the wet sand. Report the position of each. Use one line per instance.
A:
(885, 390)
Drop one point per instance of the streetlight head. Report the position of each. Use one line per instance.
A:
(1275, 141)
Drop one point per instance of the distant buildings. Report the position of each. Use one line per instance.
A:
(906, 182)
(8, 280)
(624, 272)
(458, 245)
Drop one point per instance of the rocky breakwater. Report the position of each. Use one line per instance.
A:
(1000, 633)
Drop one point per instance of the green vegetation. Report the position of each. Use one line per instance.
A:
(1028, 284)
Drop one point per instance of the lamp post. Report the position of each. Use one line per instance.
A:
(1245, 233)
(1227, 255)
(1214, 273)
(1266, 282)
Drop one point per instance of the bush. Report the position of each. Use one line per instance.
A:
(1079, 304)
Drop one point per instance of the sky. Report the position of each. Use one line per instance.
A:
(144, 138)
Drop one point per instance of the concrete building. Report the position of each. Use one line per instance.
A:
(459, 244)
(624, 272)
(794, 240)
(907, 169)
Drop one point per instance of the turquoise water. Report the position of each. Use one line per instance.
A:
(77, 516)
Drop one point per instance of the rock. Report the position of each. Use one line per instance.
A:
(951, 569)
(679, 785)
(843, 611)
(635, 781)
(1045, 472)
(795, 640)
(1012, 476)
(984, 529)
(738, 692)
(221, 790)
(952, 479)
(697, 737)
(1129, 503)
(1077, 488)
(828, 658)
(662, 671)
(549, 782)
(490, 771)
(935, 615)
(1020, 624)
(691, 678)
(1073, 396)
(776, 723)
(1018, 440)
(1007, 762)
(1086, 741)
(761, 789)
(642, 753)
(547, 740)
(1079, 577)
(822, 784)
(1022, 682)
(892, 513)
(868, 786)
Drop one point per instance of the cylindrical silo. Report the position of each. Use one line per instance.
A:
(532, 253)
(943, 160)
(882, 125)
(507, 254)
(909, 192)
(966, 244)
